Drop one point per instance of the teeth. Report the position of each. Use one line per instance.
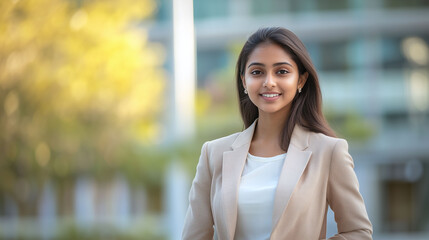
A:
(270, 95)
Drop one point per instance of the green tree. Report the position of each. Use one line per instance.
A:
(79, 85)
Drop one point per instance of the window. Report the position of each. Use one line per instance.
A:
(333, 56)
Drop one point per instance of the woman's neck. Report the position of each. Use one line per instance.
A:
(267, 136)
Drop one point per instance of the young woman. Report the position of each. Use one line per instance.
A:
(276, 179)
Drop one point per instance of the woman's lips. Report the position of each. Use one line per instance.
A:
(270, 96)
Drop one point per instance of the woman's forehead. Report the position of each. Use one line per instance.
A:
(269, 53)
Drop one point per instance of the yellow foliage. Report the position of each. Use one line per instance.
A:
(202, 102)
(76, 78)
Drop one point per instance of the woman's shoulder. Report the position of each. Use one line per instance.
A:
(328, 147)
(322, 139)
(223, 143)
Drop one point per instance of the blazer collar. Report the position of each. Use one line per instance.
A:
(300, 137)
(245, 137)
(233, 165)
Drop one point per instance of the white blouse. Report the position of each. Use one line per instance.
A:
(256, 197)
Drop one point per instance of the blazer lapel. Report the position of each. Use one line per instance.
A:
(232, 168)
(295, 162)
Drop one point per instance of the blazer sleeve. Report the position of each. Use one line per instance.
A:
(344, 198)
(199, 219)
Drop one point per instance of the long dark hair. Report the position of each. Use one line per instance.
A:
(306, 109)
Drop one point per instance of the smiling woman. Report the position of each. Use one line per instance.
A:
(272, 79)
(277, 178)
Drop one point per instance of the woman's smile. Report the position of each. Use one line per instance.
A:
(270, 96)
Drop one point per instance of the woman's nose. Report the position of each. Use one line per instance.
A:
(269, 81)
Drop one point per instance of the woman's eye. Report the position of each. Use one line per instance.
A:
(255, 72)
(282, 71)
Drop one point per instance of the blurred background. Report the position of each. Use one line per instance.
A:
(104, 106)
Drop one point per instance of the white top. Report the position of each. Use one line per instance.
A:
(256, 197)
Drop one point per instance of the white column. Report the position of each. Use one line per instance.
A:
(47, 211)
(176, 182)
(176, 199)
(84, 202)
(184, 68)
(121, 200)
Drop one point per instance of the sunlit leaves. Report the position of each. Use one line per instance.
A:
(79, 81)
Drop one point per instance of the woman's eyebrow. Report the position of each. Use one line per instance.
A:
(275, 64)
(281, 63)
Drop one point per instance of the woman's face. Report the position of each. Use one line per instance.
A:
(272, 79)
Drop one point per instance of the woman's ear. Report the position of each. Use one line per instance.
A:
(302, 79)
(243, 81)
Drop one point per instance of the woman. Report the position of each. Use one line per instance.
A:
(276, 179)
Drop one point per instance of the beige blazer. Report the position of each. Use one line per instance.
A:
(317, 172)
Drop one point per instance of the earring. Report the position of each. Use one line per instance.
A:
(245, 91)
(299, 90)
